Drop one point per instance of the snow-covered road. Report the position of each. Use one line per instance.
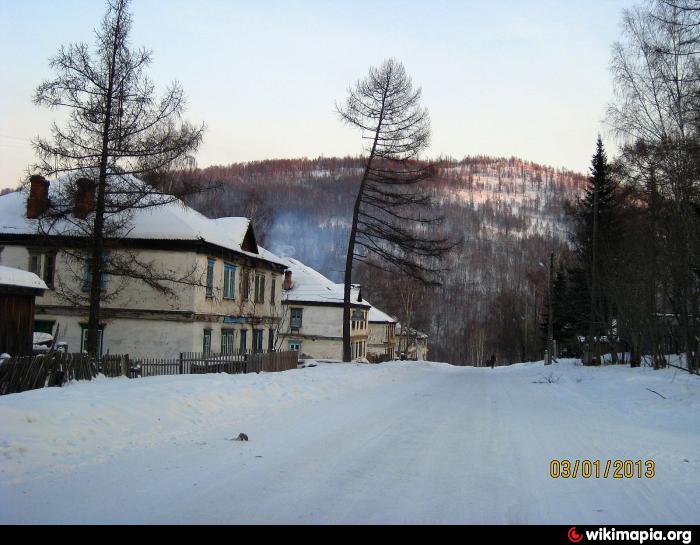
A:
(346, 443)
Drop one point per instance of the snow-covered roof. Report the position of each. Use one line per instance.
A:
(10, 276)
(170, 221)
(309, 285)
(376, 315)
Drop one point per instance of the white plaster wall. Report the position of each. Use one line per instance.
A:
(323, 321)
(136, 294)
(130, 293)
(377, 335)
(144, 338)
(322, 348)
(320, 321)
(151, 338)
(237, 306)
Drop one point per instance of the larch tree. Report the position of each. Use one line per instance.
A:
(117, 131)
(393, 227)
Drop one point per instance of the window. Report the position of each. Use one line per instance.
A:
(210, 277)
(296, 314)
(244, 341)
(35, 264)
(49, 268)
(257, 340)
(44, 326)
(259, 288)
(206, 342)
(43, 265)
(228, 338)
(295, 345)
(272, 290)
(229, 281)
(271, 340)
(84, 338)
(358, 318)
(87, 274)
(245, 285)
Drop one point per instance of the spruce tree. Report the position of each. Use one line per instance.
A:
(596, 242)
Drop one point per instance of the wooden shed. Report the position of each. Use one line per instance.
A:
(18, 290)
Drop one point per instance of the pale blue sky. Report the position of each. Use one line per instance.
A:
(527, 78)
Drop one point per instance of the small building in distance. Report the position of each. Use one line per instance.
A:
(18, 290)
(312, 319)
(412, 343)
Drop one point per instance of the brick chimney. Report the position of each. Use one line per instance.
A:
(84, 198)
(287, 285)
(38, 200)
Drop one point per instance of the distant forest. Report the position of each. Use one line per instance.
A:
(508, 215)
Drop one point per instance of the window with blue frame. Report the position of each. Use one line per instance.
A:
(228, 337)
(271, 340)
(244, 341)
(87, 274)
(206, 342)
(257, 340)
(229, 281)
(295, 318)
(84, 339)
(295, 345)
(210, 277)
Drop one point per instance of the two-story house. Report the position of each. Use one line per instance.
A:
(313, 315)
(382, 341)
(232, 301)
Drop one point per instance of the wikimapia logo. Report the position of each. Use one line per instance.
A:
(637, 536)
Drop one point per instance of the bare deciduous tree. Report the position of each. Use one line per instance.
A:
(392, 226)
(656, 112)
(117, 130)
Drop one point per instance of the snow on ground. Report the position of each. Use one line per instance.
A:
(400, 442)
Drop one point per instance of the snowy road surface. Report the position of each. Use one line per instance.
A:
(348, 443)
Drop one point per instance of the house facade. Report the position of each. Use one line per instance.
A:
(382, 341)
(230, 302)
(313, 315)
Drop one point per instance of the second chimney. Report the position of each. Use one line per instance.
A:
(84, 198)
(38, 200)
(287, 280)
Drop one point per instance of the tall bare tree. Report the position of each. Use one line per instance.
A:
(656, 112)
(118, 129)
(392, 226)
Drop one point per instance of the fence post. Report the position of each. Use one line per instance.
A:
(181, 363)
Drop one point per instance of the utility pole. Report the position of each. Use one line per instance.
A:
(550, 322)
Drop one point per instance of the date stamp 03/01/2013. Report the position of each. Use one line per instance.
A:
(596, 469)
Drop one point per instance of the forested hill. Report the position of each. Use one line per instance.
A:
(508, 212)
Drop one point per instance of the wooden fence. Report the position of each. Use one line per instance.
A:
(31, 372)
(55, 369)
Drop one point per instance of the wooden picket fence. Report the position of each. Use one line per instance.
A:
(55, 369)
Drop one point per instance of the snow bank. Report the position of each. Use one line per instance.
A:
(400, 442)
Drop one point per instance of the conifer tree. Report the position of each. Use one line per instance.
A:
(596, 241)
